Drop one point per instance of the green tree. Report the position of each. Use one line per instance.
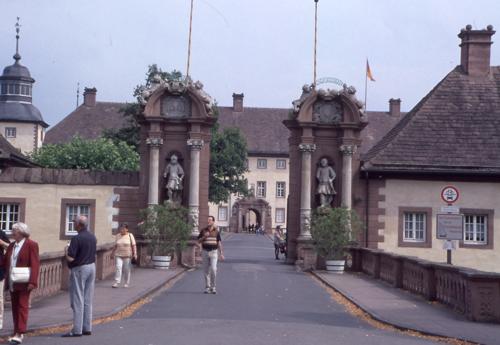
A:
(228, 150)
(100, 154)
(130, 132)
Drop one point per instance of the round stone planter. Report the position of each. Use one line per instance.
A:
(335, 266)
(161, 262)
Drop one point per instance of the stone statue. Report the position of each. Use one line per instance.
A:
(325, 175)
(174, 175)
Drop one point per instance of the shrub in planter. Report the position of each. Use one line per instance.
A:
(332, 230)
(166, 228)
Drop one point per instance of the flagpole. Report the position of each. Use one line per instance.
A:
(315, 40)
(189, 42)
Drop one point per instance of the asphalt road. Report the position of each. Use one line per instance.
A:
(260, 301)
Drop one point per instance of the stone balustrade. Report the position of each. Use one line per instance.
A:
(54, 272)
(473, 293)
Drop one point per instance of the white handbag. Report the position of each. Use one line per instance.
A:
(20, 274)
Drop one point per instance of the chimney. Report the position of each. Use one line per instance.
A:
(475, 50)
(89, 96)
(238, 102)
(395, 107)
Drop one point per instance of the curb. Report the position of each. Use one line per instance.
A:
(147, 293)
(383, 320)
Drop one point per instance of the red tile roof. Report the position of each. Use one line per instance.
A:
(455, 128)
(262, 127)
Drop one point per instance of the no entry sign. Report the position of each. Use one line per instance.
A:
(450, 194)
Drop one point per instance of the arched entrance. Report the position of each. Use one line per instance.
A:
(249, 211)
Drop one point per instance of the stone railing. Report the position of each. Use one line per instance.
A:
(473, 293)
(54, 272)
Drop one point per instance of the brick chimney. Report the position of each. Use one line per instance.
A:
(476, 50)
(238, 102)
(395, 107)
(89, 96)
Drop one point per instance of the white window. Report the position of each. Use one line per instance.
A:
(476, 228)
(261, 189)
(9, 215)
(10, 132)
(280, 215)
(280, 189)
(261, 163)
(414, 227)
(222, 213)
(73, 211)
(281, 164)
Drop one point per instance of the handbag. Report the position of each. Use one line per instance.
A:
(133, 260)
(20, 274)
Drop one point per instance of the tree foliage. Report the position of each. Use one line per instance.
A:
(101, 154)
(228, 164)
(132, 111)
(228, 150)
(332, 230)
(166, 227)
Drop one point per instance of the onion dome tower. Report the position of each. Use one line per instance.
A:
(21, 123)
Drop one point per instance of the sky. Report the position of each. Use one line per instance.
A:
(263, 48)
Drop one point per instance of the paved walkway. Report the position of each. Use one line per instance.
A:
(260, 301)
(404, 310)
(56, 311)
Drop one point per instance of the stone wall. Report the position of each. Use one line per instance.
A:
(44, 194)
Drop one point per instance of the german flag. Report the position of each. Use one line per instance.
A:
(369, 74)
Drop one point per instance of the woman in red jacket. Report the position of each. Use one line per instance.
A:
(23, 252)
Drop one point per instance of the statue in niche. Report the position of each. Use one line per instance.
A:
(175, 176)
(325, 176)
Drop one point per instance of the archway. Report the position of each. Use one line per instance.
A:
(249, 211)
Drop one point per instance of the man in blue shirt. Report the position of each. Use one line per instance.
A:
(81, 255)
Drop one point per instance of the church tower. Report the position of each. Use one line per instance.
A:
(21, 123)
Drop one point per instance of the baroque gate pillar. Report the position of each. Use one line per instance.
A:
(324, 133)
(176, 122)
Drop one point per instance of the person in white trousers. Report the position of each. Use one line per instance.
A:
(124, 251)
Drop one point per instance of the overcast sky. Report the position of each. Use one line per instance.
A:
(260, 47)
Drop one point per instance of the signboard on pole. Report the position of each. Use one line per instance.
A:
(450, 226)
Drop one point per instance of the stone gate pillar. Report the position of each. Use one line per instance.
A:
(177, 121)
(305, 191)
(347, 153)
(195, 146)
(324, 132)
(154, 145)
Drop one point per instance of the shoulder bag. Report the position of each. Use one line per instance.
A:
(20, 274)
(133, 260)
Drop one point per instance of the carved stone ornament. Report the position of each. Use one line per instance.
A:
(176, 106)
(348, 150)
(307, 148)
(305, 220)
(194, 215)
(155, 142)
(195, 144)
(325, 176)
(177, 88)
(306, 91)
(174, 173)
(328, 112)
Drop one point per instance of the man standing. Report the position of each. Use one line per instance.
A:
(211, 244)
(81, 260)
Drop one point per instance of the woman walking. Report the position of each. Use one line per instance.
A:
(22, 253)
(124, 251)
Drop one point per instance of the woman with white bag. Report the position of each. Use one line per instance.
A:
(21, 265)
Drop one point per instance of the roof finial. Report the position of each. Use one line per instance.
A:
(17, 57)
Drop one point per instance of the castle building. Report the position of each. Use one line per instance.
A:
(21, 123)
